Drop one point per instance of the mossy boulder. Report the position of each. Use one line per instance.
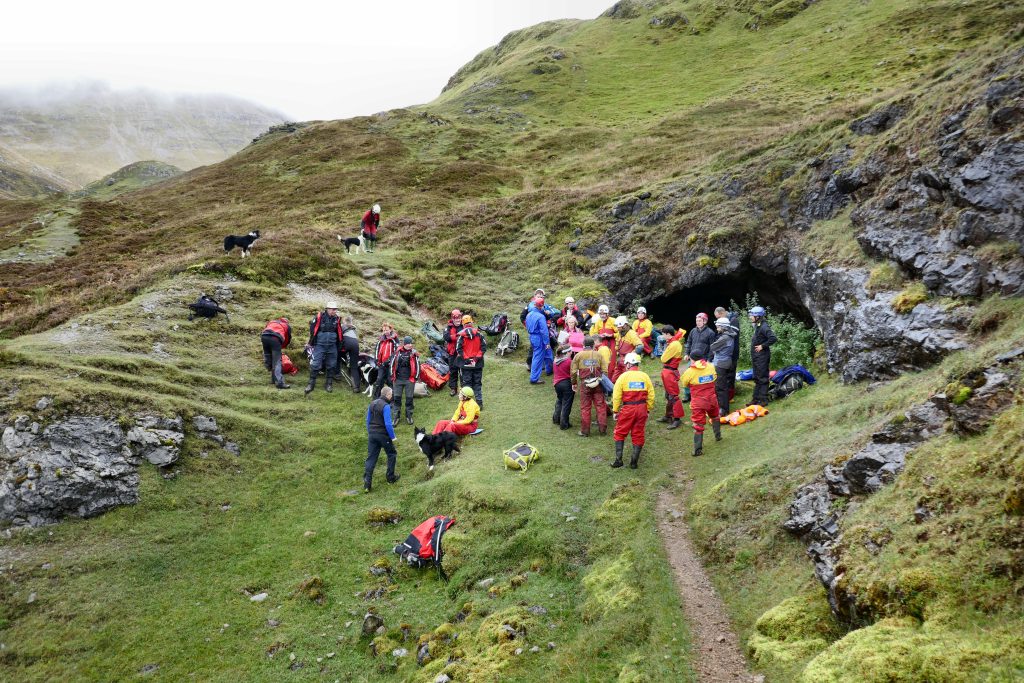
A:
(380, 516)
(792, 632)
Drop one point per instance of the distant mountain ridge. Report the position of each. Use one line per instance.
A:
(83, 132)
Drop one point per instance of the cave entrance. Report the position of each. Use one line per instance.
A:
(774, 292)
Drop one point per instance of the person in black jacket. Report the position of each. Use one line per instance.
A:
(761, 354)
(404, 370)
(734, 321)
(324, 335)
(698, 342)
(348, 348)
(722, 352)
(380, 434)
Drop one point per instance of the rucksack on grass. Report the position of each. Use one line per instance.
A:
(521, 456)
(499, 323)
(431, 332)
(509, 342)
(423, 547)
(206, 307)
(431, 377)
(287, 366)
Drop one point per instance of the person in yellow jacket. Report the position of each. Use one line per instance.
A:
(627, 343)
(644, 329)
(632, 401)
(603, 329)
(700, 378)
(464, 419)
(670, 361)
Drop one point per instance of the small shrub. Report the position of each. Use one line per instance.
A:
(911, 296)
(706, 261)
(884, 277)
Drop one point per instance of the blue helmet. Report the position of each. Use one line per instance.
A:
(757, 311)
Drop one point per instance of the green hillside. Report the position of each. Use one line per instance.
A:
(128, 179)
(510, 180)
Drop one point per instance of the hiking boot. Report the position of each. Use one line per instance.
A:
(556, 419)
(698, 444)
(582, 433)
(635, 460)
(392, 480)
(602, 430)
(618, 453)
(367, 485)
(311, 385)
(716, 427)
(453, 392)
(664, 419)
(676, 424)
(408, 419)
(283, 385)
(329, 384)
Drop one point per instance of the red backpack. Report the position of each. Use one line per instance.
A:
(431, 377)
(287, 366)
(423, 547)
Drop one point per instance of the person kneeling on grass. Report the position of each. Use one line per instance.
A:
(380, 434)
(464, 419)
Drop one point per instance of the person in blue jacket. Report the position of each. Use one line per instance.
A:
(380, 434)
(540, 341)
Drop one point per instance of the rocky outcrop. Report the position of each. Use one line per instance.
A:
(818, 508)
(79, 466)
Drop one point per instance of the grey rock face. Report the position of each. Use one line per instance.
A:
(204, 424)
(809, 508)
(880, 120)
(79, 467)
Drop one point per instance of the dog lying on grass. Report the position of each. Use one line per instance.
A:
(432, 444)
(243, 242)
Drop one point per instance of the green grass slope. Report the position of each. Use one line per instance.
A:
(129, 178)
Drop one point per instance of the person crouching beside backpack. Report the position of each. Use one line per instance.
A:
(276, 336)
(465, 418)
(404, 371)
(632, 401)
(380, 434)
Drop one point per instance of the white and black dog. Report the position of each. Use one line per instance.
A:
(358, 242)
(432, 444)
(243, 242)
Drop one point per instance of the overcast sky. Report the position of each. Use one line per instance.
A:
(309, 60)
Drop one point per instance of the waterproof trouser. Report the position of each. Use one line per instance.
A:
(272, 357)
(374, 445)
(474, 378)
(670, 380)
(563, 403)
(350, 349)
(403, 386)
(700, 411)
(383, 377)
(761, 361)
(325, 357)
(632, 421)
(648, 345)
(454, 427)
(732, 383)
(722, 391)
(541, 359)
(619, 368)
(453, 373)
(592, 398)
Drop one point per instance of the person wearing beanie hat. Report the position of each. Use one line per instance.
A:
(380, 435)
(404, 371)
(387, 344)
(465, 418)
(324, 337)
(470, 347)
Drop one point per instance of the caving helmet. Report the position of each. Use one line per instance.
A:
(621, 321)
(376, 208)
(641, 312)
(467, 392)
(757, 311)
(631, 359)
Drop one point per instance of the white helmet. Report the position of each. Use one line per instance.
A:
(631, 359)
(602, 309)
(621, 321)
(722, 322)
(641, 311)
(376, 208)
(570, 300)
(332, 304)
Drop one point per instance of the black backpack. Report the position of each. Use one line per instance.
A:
(787, 386)
(206, 307)
(423, 547)
(499, 323)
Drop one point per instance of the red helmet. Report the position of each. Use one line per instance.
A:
(456, 313)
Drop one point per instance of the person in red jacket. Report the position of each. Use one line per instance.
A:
(670, 360)
(632, 401)
(386, 345)
(276, 336)
(451, 337)
(369, 225)
(469, 355)
(562, 379)
(700, 378)
(405, 372)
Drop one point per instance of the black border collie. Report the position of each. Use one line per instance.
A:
(358, 242)
(243, 242)
(432, 444)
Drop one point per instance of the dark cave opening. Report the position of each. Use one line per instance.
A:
(774, 292)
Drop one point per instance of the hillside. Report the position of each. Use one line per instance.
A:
(857, 167)
(19, 178)
(81, 133)
(131, 177)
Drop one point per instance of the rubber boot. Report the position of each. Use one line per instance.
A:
(676, 424)
(367, 485)
(667, 417)
(618, 453)
(716, 427)
(698, 444)
(329, 384)
(602, 430)
(312, 383)
(635, 460)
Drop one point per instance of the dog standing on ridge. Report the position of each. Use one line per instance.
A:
(243, 242)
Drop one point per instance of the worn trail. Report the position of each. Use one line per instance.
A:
(717, 653)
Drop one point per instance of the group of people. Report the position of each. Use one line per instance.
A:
(605, 362)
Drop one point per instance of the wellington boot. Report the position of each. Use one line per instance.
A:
(618, 453)
(329, 384)
(716, 427)
(664, 419)
(635, 460)
(311, 385)
(602, 430)
(698, 445)
(676, 424)
(283, 385)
